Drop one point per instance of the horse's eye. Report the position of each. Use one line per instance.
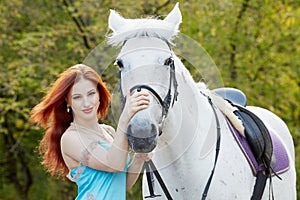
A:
(119, 62)
(168, 61)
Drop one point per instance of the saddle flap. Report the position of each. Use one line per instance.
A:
(257, 136)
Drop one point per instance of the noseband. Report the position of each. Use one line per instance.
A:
(164, 102)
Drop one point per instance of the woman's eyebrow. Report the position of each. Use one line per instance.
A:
(75, 93)
(78, 93)
(92, 90)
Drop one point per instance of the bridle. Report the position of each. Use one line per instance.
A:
(165, 102)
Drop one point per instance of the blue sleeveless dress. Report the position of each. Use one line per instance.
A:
(96, 184)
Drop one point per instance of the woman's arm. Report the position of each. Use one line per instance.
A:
(86, 151)
(135, 168)
(119, 149)
(76, 146)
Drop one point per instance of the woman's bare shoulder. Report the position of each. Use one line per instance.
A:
(72, 137)
(69, 133)
(71, 148)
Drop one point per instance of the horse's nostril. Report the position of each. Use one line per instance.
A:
(129, 130)
(153, 130)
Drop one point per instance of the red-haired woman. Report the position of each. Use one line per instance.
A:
(91, 154)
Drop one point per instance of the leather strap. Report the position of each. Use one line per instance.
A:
(149, 165)
(259, 186)
(204, 194)
(150, 181)
(261, 147)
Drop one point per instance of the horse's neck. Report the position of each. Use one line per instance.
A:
(188, 122)
(192, 108)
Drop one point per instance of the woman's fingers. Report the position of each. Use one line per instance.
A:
(136, 102)
(139, 99)
(144, 156)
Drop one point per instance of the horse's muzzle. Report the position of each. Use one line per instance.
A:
(142, 136)
(142, 145)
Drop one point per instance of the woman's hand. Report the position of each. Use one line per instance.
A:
(143, 156)
(134, 103)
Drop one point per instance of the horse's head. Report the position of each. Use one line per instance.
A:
(146, 63)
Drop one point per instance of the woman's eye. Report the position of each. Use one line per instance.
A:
(92, 93)
(76, 97)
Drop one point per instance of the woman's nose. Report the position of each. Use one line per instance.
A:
(86, 101)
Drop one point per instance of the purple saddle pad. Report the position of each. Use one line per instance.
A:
(281, 164)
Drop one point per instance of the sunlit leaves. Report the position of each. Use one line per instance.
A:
(39, 39)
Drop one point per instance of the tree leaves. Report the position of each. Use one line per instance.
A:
(257, 41)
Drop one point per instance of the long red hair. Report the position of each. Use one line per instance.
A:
(52, 114)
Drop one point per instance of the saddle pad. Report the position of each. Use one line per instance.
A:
(281, 157)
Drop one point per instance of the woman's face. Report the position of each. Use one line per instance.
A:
(84, 100)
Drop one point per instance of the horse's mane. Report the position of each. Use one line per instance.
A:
(149, 27)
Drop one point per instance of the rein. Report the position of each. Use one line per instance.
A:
(150, 165)
(218, 144)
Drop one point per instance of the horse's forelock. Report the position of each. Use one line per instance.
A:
(143, 27)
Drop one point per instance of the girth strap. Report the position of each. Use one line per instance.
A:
(259, 186)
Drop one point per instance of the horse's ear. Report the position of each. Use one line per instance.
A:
(174, 17)
(115, 21)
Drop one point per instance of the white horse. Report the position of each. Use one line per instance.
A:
(184, 153)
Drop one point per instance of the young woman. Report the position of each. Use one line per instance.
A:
(91, 154)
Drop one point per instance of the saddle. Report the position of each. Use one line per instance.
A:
(256, 134)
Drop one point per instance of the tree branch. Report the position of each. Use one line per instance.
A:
(153, 9)
(21, 184)
(162, 6)
(79, 23)
(232, 65)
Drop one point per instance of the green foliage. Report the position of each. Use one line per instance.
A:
(253, 43)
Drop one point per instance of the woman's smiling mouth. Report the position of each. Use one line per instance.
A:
(88, 110)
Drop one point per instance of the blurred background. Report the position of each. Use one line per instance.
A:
(254, 43)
